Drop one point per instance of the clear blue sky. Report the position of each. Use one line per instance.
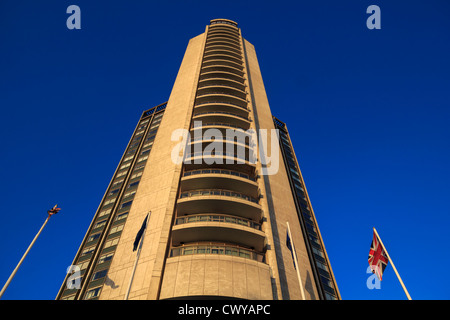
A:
(368, 112)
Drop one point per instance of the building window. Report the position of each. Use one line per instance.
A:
(129, 194)
(111, 243)
(147, 144)
(109, 201)
(122, 216)
(126, 204)
(105, 257)
(116, 229)
(113, 192)
(117, 182)
(139, 166)
(126, 165)
(94, 237)
(87, 251)
(104, 212)
(99, 274)
(83, 265)
(121, 173)
(136, 175)
(99, 224)
(128, 158)
(134, 184)
(93, 293)
(142, 158)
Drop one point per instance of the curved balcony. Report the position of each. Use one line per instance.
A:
(213, 152)
(218, 228)
(215, 116)
(245, 168)
(212, 217)
(221, 99)
(238, 137)
(229, 31)
(212, 30)
(220, 62)
(235, 139)
(244, 141)
(223, 28)
(219, 159)
(219, 193)
(224, 24)
(222, 126)
(222, 57)
(221, 68)
(218, 201)
(219, 178)
(223, 117)
(217, 26)
(216, 248)
(222, 75)
(222, 107)
(214, 47)
(223, 37)
(213, 51)
(221, 82)
(222, 41)
(225, 90)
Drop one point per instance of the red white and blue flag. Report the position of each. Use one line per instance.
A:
(378, 259)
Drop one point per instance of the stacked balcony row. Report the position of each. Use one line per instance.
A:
(218, 210)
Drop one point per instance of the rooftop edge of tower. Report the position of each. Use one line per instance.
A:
(225, 21)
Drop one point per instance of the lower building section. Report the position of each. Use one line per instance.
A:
(217, 274)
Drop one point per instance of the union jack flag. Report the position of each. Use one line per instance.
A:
(53, 210)
(378, 259)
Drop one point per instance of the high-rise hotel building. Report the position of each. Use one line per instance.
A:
(218, 221)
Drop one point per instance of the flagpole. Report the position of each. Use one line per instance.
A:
(295, 261)
(137, 258)
(50, 213)
(393, 266)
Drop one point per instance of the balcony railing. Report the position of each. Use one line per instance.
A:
(223, 33)
(222, 42)
(217, 192)
(219, 46)
(222, 82)
(223, 124)
(221, 37)
(219, 171)
(218, 218)
(224, 68)
(212, 52)
(221, 112)
(250, 143)
(222, 62)
(241, 158)
(221, 102)
(211, 248)
(219, 94)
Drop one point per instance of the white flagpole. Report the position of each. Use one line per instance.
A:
(50, 212)
(393, 266)
(137, 257)
(295, 261)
